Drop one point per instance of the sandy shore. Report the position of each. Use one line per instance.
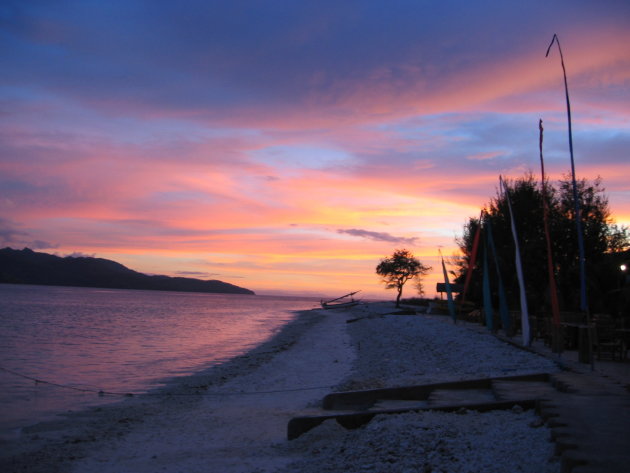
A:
(233, 418)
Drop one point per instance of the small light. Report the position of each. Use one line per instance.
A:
(623, 267)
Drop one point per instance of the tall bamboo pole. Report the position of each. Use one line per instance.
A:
(553, 292)
(578, 214)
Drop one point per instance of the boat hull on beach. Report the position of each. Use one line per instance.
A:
(339, 305)
(341, 302)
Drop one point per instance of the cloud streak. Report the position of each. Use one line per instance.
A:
(378, 236)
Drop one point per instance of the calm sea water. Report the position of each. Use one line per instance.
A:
(118, 341)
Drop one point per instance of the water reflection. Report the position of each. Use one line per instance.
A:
(118, 341)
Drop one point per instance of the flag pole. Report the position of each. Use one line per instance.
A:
(578, 215)
(553, 291)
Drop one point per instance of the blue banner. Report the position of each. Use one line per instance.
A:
(449, 292)
(503, 306)
(487, 298)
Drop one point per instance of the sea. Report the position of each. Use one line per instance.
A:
(63, 348)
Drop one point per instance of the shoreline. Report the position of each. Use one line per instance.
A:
(213, 421)
(51, 445)
(69, 349)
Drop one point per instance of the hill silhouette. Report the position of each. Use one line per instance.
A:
(29, 267)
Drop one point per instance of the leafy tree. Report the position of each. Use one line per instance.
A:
(601, 238)
(399, 268)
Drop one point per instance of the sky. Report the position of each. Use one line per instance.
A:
(288, 146)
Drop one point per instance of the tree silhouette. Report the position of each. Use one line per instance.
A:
(602, 237)
(399, 268)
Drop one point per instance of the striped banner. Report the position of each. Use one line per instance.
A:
(519, 270)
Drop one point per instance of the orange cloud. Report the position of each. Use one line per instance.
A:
(301, 173)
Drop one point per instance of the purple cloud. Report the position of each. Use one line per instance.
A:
(378, 236)
(13, 237)
(196, 274)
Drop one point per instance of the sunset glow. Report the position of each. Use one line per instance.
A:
(287, 147)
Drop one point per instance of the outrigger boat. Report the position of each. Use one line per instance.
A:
(340, 303)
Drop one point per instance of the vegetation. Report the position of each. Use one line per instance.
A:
(399, 268)
(602, 240)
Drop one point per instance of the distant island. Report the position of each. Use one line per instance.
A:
(29, 267)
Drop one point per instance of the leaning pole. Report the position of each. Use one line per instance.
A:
(578, 215)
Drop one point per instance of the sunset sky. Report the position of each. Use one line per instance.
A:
(287, 146)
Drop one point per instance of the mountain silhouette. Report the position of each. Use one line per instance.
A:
(29, 267)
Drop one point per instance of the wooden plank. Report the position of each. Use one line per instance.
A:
(353, 400)
(300, 425)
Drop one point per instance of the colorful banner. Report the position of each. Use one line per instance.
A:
(473, 259)
(519, 270)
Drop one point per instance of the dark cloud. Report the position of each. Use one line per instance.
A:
(213, 57)
(378, 236)
(11, 236)
(42, 245)
(196, 274)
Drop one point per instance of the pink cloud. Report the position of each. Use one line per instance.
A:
(295, 172)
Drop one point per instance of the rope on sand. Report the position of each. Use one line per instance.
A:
(102, 392)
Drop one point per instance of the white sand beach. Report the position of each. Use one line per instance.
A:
(234, 418)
